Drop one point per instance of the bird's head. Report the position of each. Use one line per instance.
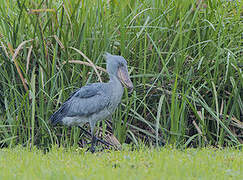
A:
(117, 66)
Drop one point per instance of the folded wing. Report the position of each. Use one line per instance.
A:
(86, 101)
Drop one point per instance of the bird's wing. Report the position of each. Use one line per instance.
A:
(87, 100)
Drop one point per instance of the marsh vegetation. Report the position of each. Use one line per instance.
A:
(185, 61)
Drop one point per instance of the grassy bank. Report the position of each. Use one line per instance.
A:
(146, 163)
(185, 61)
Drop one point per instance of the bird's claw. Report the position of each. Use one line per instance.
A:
(91, 149)
(96, 139)
(104, 142)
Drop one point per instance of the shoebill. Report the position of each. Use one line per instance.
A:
(95, 102)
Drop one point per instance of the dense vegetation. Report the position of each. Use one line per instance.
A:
(185, 61)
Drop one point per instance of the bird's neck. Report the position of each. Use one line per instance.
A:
(116, 84)
(116, 90)
(115, 81)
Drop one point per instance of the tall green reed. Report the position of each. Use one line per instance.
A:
(183, 57)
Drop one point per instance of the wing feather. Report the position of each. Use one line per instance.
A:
(86, 101)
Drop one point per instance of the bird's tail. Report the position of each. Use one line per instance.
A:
(56, 117)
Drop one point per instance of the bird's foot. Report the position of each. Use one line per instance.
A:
(102, 142)
(91, 149)
(96, 139)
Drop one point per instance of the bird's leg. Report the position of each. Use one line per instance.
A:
(97, 139)
(93, 144)
(93, 140)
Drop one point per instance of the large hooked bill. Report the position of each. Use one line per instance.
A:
(124, 78)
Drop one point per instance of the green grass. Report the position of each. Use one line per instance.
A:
(185, 61)
(165, 163)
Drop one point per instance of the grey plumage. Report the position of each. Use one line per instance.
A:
(95, 102)
(82, 103)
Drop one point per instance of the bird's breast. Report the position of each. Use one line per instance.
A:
(115, 98)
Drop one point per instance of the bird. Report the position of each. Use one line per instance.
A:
(96, 101)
